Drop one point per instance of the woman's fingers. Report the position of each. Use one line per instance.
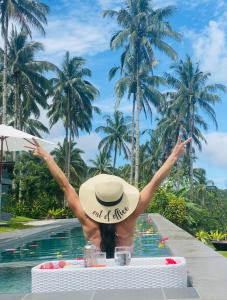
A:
(30, 142)
(179, 139)
(187, 141)
(32, 148)
(36, 143)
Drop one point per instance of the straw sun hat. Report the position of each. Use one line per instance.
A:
(108, 199)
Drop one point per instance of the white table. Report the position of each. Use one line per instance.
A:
(150, 272)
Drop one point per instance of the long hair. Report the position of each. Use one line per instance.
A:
(108, 238)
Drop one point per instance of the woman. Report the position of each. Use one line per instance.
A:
(107, 206)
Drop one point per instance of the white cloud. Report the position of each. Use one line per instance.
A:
(76, 36)
(89, 144)
(210, 48)
(214, 152)
(106, 108)
(210, 44)
(79, 28)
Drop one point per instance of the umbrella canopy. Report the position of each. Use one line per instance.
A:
(12, 139)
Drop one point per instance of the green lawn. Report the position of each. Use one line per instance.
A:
(15, 223)
(224, 253)
(21, 219)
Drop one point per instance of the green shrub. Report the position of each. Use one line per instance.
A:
(59, 213)
(203, 236)
(176, 210)
(217, 235)
(169, 205)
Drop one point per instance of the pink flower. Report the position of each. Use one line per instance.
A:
(47, 266)
(170, 261)
(61, 263)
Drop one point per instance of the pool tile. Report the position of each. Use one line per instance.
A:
(77, 295)
(181, 293)
(132, 294)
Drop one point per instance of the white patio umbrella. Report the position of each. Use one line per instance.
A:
(12, 139)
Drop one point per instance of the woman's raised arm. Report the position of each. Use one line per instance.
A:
(149, 190)
(70, 193)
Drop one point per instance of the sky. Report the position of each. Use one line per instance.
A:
(78, 26)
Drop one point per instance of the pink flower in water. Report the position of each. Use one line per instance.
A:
(149, 220)
(11, 250)
(170, 261)
(164, 239)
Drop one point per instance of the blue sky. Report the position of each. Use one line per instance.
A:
(78, 26)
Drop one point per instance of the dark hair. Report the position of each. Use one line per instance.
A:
(108, 239)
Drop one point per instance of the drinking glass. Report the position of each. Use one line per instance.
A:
(122, 256)
(100, 259)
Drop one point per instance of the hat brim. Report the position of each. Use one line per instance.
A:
(108, 214)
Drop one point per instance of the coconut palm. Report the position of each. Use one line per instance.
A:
(101, 164)
(150, 96)
(141, 29)
(202, 185)
(192, 96)
(72, 100)
(117, 135)
(28, 84)
(26, 13)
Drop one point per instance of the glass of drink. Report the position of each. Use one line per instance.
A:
(100, 260)
(122, 256)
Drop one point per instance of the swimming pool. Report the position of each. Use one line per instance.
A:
(67, 244)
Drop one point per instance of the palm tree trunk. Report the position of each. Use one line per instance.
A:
(16, 105)
(115, 156)
(67, 129)
(133, 141)
(191, 128)
(5, 94)
(137, 125)
(69, 151)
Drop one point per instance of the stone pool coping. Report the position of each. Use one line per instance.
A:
(207, 269)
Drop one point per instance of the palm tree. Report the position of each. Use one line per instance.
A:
(192, 95)
(28, 84)
(78, 168)
(72, 100)
(202, 185)
(33, 126)
(142, 28)
(101, 164)
(27, 13)
(150, 94)
(117, 135)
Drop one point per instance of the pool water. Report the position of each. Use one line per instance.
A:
(67, 244)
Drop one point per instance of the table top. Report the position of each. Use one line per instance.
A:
(142, 262)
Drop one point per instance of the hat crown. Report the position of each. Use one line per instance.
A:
(109, 191)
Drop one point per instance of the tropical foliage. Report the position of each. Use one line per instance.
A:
(27, 14)
(117, 135)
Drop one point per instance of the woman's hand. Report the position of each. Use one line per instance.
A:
(38, 150)
(179, 149)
